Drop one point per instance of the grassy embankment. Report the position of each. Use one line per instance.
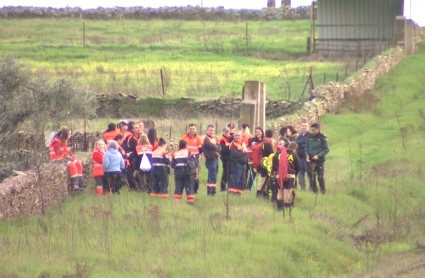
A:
(198, 59)
(373, 208)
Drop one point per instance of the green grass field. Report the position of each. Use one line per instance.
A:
(199, 59)
(373, 208)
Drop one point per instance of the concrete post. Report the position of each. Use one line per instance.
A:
(248, 113)
(408, 37)
(252, 93)
(286, 3)
(399, 25)
(262, 107)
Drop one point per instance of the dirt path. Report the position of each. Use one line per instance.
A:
(410, 264)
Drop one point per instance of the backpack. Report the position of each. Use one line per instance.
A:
(288, 197)
(191, 166)
(255, 155)
(145, 164)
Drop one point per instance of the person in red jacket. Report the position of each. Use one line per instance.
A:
(59, 151)
(97, 158)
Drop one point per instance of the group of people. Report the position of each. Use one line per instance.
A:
(127, 156)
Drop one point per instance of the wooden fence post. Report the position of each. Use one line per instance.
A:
(162, 82)
(170, 131)
(324, 78)
(85, 146)
(337, 77)
(84, 34)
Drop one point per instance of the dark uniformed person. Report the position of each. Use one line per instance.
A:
(315, 152)
(225, 157)
(302, 142)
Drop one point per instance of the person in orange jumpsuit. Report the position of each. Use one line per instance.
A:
(58, 150)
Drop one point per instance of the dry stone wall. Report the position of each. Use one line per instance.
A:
(20, 195)
(327, 98)
(143, 13)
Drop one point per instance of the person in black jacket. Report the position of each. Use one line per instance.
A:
(130, 147)
(302, 142)
(211, 149)
(316, 150)
(225, 157)
(238, 161)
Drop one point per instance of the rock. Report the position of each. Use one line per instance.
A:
(132, 97)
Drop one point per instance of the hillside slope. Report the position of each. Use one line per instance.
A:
(373, 208)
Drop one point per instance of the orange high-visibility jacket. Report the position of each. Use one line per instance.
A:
(58, 151)
(97, 157)
(194, 143)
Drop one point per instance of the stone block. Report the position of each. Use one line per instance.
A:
(248, 113)
(262, 107)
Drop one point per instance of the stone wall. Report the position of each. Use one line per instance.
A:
(20, 195)
(327, 98)
(179, 13)
(123, 106)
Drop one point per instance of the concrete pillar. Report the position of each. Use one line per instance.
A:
(286, 3)
(248, 113)
(262, 107)
(408, 37)
(252, 93)
(399, 24)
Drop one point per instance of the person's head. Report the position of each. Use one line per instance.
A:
(292, 130)
(192, 129)
(136, 129)
(123, 125)
(280, 144)
(284, 131)
(231, 128)
(162, 143)
(315, 129)
(259, 133)
(245, 126)
(119, 139)
(152, 135)
(304, 126)
(269, 133)
(237, 136)
(210, 130)
(112, 144)
(226, 132)
(112, 127)
(100, 145)
(131, 125)
(65, 135)
(142, 126)
(143, 140)
(182, 144)
(293, 146)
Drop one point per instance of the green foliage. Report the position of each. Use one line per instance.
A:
(38, 99)
(199, 59)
